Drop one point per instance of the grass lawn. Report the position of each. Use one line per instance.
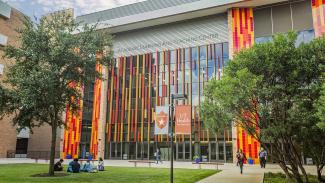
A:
(280, 178)
(21, 173)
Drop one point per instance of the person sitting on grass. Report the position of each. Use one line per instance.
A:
(74, 166)
(101, 164)
(58, 165)
(88, 167)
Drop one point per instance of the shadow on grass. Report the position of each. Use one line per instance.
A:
(48, 175)
(281, 178)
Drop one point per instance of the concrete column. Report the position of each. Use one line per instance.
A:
(102, 115)
(61, 136)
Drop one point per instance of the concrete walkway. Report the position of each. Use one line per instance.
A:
(251, 174)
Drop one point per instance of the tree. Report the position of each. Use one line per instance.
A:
(321, 109)
(56, 55)
(265, 88)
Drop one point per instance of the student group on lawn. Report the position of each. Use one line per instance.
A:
(75, 167)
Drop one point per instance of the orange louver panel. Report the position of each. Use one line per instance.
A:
(242, 36)
(72, 133)
(96, 114)
(318, 10)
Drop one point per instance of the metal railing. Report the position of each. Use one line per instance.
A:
(42, 154)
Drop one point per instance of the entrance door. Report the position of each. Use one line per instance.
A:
(204, 151)
(213, 151)
(180, 151)
(164, 153)
(21, 148)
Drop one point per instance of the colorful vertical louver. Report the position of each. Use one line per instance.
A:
(242, 36)
(139, 83)
(72, 132)
(242, 30)
(318, 9)
(96, 114)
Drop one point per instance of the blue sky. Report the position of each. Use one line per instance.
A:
(41, 7)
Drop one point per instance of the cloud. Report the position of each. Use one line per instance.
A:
(41, 7)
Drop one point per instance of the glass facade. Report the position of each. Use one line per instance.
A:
(139, 83)
(304, 36)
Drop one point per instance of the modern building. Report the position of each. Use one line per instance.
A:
(175, 47)
(165, 47)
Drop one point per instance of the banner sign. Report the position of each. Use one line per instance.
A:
(162, 118)
(183, 119)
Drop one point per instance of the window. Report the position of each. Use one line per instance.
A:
(1, 69)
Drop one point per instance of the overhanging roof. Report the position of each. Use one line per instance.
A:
(156, 12)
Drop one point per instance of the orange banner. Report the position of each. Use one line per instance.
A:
(183, 119)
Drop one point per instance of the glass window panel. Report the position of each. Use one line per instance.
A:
(180, 88)
(203, 63)
(309, 35)
(187, 76)
(203, 52)
(172, 57)
(225, 50)
(187, 54)
(304, 37)
(172, 89)
(161, 57)
(172, 67)
(187, 65)
(195, 88)
(263, 39)
(180, 77)
(218, 50)
(195, 100)
(195, 77)
(194, 53)
(211, 63)
(210, 72)
(201, 88)
(210, 51)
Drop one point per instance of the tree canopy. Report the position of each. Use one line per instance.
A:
(273, 87)
(56, 57)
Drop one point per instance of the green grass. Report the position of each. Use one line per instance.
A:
(21, 173)
(280, 178)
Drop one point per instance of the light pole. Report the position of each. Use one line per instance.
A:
(174, 97)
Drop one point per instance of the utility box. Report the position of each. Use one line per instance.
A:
(309, 161)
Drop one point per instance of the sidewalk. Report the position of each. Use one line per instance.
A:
(232, 175)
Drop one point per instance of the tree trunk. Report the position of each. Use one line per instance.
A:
(296, 174)
(303, 171)
(319, 174)
(53, 144)
(285, 170)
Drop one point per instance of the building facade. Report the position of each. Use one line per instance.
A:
(22, 144)
(168, 48)
(10, 19)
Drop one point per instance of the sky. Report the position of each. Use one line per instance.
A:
(40, 7)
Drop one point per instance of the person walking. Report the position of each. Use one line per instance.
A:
(241, 160)
(158, 155)
(262, 156)
(237, 157)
